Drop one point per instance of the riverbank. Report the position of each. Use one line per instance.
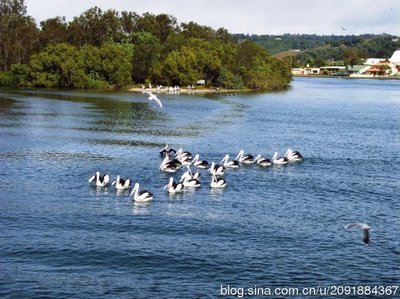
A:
(190, 91)
(346, 77)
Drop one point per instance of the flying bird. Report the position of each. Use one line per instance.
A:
(344, 29)
(153, 97)
(364, 227)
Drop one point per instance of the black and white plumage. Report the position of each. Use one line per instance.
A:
(168, 165)
(216, 169)
(217, 182)
(262, 161)
(229, 164)
(199, 163)
(184, 156)
(188, 180)
(279, 160)
(365, 229)
(173, 187)
(167, 151)
(293, 156)
(153, 97)
(100, 180)
(121, 184)
(141, 196)
(245, 159)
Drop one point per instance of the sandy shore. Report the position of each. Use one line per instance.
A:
(187, 91)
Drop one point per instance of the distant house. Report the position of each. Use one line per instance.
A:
(380, 69)
(372, 61)
(357, 70)
(395, 57)
(306, 71)
(333, 70)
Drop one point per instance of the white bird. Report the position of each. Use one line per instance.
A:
(245, 159)
(217, 182)
(279, 161)
(229, 164)
(169, 165)
(262, 161)
(216, 169)
(173, 187)
(100, 180)
(121, 184)
(141, 196)
(199, 163)
(293, 156)
(364, 227)
(188, 181)
(153, 97)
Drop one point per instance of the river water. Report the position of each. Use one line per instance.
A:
(275, 227)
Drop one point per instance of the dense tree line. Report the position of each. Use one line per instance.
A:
(317, 50)
(100, 49)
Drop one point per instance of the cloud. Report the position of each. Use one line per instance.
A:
(250, 16)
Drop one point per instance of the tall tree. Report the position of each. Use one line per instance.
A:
(18, 33)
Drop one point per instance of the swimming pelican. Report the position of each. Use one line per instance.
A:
(141, 196)
(229, 164)
(216, 169)
(153, 97)
(364, 227)
(217, 182)
(173, 187)
(262, 161)
(167, 151)
(184, 157)
(293, 156)
(188, 181)
(121, 184)
(100, 180)
(199, 163)
(279, 161)
(245, 159)
(169, 165)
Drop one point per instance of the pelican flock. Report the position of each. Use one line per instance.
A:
(174, 160)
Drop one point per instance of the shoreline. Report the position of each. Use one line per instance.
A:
(186, 91)
(346, 77)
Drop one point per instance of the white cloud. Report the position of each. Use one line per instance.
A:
(250, 16)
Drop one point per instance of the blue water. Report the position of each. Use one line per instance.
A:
(276, 227)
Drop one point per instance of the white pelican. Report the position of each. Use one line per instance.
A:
(173, 187)
(199, 163)
(141, 196)
(262, 161)
(279, 161)
(364, 227)
(169, 165)
(217, 182)
(245, 159)
(293, 156)
(121, 184)
(216, 169)
(100, 180)
(167, 151)
(153, 97)
(229, 164)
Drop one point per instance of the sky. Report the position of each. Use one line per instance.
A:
(323, 17)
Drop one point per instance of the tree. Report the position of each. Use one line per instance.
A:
(58, 65)
(18, 33)
(53, 31)
(147, 51)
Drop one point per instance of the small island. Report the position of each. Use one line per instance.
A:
(110, 49)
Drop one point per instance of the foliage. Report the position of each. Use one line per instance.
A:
(99, 49)
(316, 50)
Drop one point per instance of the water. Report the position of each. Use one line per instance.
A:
(274, 227)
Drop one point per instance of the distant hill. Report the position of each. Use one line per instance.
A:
(326, 49)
